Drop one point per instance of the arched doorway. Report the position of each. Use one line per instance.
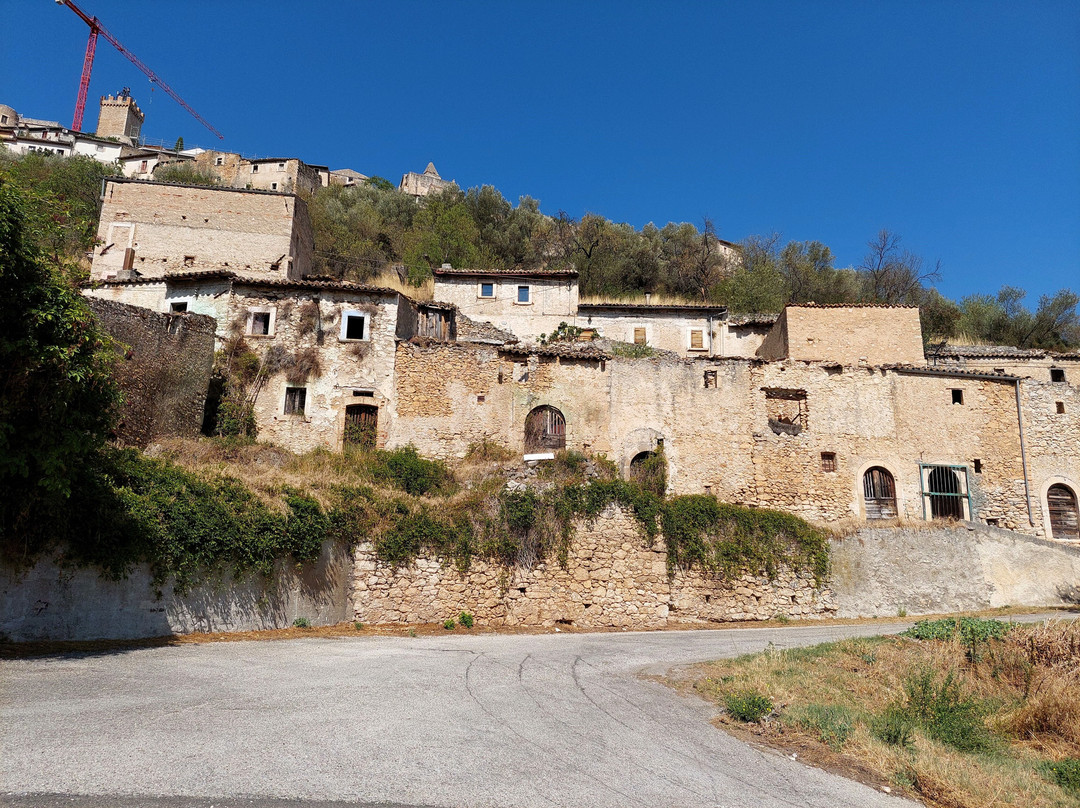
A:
(649, 469)
(545, 430)
(946, 499)
(879, 494)
(1064, 518)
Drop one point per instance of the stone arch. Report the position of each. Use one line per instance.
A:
(879, 493)
(545, 430)
(641, 441)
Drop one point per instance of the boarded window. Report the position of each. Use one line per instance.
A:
(828, 461)
(787, 410)
(697, 339)
(434, 323)
(1064, 519)
(1057, 374)
(361, 425)
(260, 323)
(879, 494)
(545, 430)
(710, 379)
(639, 336)
(295, 399)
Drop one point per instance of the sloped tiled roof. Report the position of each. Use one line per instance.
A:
(655, 307)
(473, 331)
(850, 306)
(327, 284)
(985, 352)
(510, 273)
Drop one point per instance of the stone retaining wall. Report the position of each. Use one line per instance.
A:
(611, 578)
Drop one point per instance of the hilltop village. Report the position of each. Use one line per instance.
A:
(830, 412)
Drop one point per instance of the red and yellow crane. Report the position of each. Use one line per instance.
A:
(88, 64)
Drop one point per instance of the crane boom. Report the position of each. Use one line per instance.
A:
(97, 28)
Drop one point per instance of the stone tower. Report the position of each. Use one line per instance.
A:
(120, 117)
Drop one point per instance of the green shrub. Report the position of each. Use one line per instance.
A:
(730, 538)
(1066, 773)
(747, 705)
(630, 350)
(466, 619)
(895, 726)
(945, 713)
(358, 626)
(449, 624)
(301, 622)
(833, 723)
(970, 629)
(405, 469)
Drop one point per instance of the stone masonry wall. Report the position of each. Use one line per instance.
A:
(612, 578)
(165, 370)
(175, 228)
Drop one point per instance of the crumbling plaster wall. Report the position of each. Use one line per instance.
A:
(613, 577)
(350, 371)
(554, 301)
(665, 331)
(175, 228)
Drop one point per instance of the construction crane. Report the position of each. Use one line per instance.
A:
(88, 65)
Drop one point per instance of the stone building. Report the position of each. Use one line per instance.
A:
(119, 117)
(829, 412)
(418, 185)
(149, 229)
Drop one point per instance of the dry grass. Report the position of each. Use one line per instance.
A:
(391, 280)
(1027, 687)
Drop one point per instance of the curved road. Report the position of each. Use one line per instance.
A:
(513, 721)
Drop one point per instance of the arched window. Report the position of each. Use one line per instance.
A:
(1064, 519)
(545, 430)
(879, 494)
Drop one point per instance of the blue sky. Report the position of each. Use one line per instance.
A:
(955, 124)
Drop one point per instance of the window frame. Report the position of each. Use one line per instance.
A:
(528, 295)
(480, 290)
(251, 312)
(690, 332)
(295, 393)
(343, 331)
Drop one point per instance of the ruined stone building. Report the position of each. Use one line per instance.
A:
(833, 413)
(418, 185)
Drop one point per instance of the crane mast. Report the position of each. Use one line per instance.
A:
(96, 28)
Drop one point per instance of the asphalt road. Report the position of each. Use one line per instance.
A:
(513, 721)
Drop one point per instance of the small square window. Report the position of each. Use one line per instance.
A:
(1057, 374)
(189, 260)
(957, 396)
(260, 323)
(639, 336)
(255, 169)
(281, 165)
(697, 339)
(523, 294)
(828, 461)
(710, 379)
(295, 399)
(480, 399)
(273, 186)
(487, 290)
(178, 307)
(354, 325)
(1060, 406)
(219, 161)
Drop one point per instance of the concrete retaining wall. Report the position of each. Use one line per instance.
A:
(48, 602)
(879, 571)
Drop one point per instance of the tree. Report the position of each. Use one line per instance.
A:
(57, 395)
(179, 143)
(894, 275)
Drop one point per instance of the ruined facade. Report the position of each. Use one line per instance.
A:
(829, 412)
(418, 185)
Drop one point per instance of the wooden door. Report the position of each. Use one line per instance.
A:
(879, 494)
(361, 425)
(1064, 520)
